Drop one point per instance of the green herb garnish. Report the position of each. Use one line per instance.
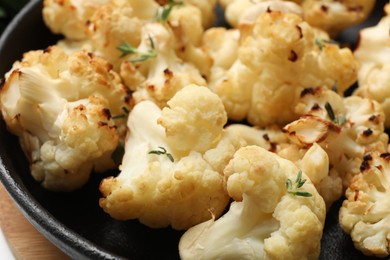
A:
(163, 14)
(320, 42)
(123, 115)
(127, 49)
(340, 120)
(294, 188)
(162, 151)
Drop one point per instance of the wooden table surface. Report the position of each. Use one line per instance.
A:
(23, 239)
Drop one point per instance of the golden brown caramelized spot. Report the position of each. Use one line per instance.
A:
(315, 107)
(80, 107)
(273, 147)
(168, 73)
(90, 55)
(309, 91)
(367, 157)
(364, 166)
(106, 112)
(269, 9)
(162, 2)
(293, 56)
(379, 167)
(128, 95)
(355, 198)
(324, 8)
(300, 31)
(375, 118)
(357, 8)
(47, 50)
(266, 137)
(385, 156)
(60, 2)
(367, 132)
(151, 88)
(101, 124)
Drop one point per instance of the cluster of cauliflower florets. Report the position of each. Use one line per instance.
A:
(241, 135)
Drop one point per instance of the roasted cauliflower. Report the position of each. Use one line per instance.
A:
(267, 220)
(373, 54)
(280, 57)
(60, 107)
(171, 172)
(157, 74)
(328, 15)
(346, 128)
(365, 212)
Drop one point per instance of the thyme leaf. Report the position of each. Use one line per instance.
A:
(320, 42)
(162, 151)
(294, 188)
(340, 120)
(163, 14)
(141, 56)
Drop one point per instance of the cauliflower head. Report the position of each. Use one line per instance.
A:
(280, 57)
(365, 213)
(266, 220)
(163, 73)
(60, 108)
(335, 16)
(373, 54)
(346, 128)
(159, 183)
(69, 17)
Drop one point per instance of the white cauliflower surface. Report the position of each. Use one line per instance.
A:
(365, 213)
(60, 108)
(373, 54)
(266, 221)
(171, 172)
(279, 57)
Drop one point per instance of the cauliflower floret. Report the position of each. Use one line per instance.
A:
(163, 74)
(313, 161)
(185, 21)
(279, 58)
(60, 108)
(112, 25)
(160, 183)
(242, 12)
(373, 54)
(365, 213)
(266, 221)
(335, 16)
(345, 128)
(207, 8)
(69, 17)
(328, 15)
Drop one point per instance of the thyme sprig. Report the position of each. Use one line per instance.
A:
(163, 14)
(162, 151)
(320, 42)
(295, 188)
(340, 120)
(127, 49)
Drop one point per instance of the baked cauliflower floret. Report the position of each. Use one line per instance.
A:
(365, 213)
(346, 128)
(69, 17)
(207, 8)
(280, 57)
(313, 161)
(60, 108)
(112, 25)
(335, 16)
(163, 180)
(162, 74)
(266, 221)
(373, 54)
(193, 119)
(242, 12)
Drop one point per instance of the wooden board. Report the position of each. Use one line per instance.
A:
(23, 239)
